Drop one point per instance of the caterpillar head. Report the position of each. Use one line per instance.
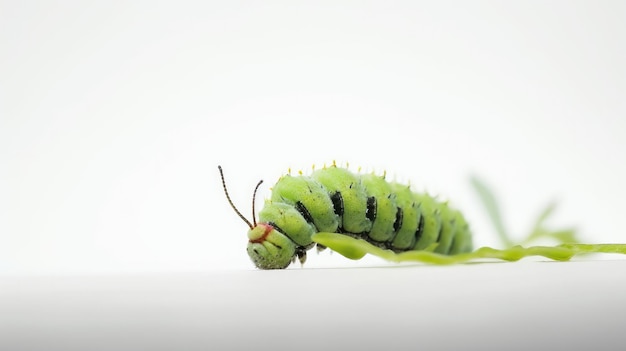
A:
(267, 247)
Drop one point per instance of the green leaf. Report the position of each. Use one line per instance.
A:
(493, 210)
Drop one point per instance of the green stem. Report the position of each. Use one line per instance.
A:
(357, 248)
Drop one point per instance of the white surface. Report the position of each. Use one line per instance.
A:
(496, 306)
(115, 115)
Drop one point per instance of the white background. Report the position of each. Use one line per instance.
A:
(115, 115)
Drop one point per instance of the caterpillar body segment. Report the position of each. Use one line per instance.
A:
(410, 218)
(335, 200)
(309, 197)
(347, 194)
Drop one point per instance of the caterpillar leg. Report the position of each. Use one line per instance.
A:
(355, 249)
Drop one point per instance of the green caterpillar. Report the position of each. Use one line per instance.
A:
(356, 214)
